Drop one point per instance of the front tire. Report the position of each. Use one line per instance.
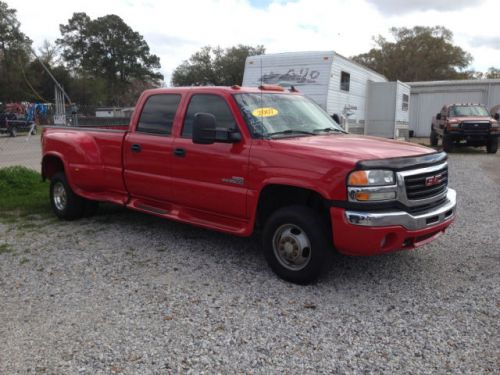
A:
(447, 143)
(492, 145)
(296, 244)
(434, 138)
(65, 203)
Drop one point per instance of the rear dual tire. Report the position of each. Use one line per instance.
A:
(65, 203)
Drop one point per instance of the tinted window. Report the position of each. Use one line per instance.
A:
(158, 114)
(345, 80)
(213, 104)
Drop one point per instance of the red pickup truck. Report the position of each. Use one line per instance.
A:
(465, 124)
(238, 159)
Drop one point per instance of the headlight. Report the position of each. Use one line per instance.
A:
(373, 177)
(372, 185)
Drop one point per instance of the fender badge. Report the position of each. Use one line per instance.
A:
(234, 180)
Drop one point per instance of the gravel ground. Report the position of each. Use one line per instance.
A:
(125, 293)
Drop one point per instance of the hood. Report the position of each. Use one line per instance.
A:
(354, 148)
(471, 118)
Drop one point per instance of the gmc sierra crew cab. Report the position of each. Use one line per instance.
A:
(465, 124)
(237, 160)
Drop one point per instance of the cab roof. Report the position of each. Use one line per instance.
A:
(226, 89)
(465, 105)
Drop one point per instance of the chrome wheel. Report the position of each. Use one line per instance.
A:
(59, 196)
(292, 247)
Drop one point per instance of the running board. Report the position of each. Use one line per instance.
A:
(154, 210)
(237, 226)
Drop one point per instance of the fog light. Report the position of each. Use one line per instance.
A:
(388, 240)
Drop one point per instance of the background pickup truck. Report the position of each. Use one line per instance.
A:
(238, 159)
(11, 125)
(470, 124)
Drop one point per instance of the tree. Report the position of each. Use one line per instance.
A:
(14, 55)
(107, 48)
(418, 54)
(492, 73)
(215, 66)
(49, 53)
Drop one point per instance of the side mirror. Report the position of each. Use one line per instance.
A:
(438, 116)
(204, 128)
(336, 118)
(497, 116)
(205, 131)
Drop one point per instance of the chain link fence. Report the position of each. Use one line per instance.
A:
(21, 126)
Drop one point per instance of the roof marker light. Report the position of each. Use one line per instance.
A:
(271, 88)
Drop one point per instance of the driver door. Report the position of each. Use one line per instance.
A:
(212, 177)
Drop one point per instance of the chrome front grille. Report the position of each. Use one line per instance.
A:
(423, 187)
(426, 185)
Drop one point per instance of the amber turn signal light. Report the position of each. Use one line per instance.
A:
(358, 178)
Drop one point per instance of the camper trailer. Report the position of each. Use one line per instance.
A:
(340, 86)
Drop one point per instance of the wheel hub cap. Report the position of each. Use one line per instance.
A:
(292, 247)
(59, 196)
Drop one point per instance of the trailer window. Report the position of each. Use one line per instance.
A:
(404, 106)
(345, 80)
(158, 114)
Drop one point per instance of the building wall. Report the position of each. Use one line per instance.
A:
(494, 95)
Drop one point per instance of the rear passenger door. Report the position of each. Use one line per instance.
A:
(212, 177)
(148, 150)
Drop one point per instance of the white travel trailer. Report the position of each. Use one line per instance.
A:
(340, 86)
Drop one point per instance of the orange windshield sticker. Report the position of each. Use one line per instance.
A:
(265, 112)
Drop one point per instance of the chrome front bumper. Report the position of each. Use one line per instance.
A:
(391, 218)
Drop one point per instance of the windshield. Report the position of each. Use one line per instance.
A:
(465, 111)
(269, 115)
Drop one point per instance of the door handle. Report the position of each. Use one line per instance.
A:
(136, 148)
(180, 152)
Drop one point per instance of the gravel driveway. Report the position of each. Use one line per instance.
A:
(126, 293)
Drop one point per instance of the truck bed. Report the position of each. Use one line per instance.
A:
(93, 159)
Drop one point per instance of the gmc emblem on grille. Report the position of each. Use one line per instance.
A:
(433, 180)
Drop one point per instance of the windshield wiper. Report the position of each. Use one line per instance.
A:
(290, 132)
(329, 129)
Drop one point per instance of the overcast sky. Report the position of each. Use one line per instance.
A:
(176, 29)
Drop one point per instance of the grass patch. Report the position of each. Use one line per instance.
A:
(22, 193)
(4, 248)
